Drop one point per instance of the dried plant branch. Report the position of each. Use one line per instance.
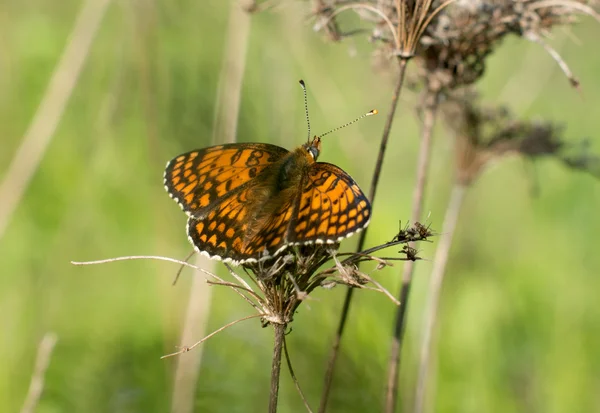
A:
(435, 286)
(185, 349)
(237, 277)
(567, 6)
(534, 37)
(240, 288)
(535, 84)
(181, 267)
(347, 276)
(430, 114)
(282, 283)
(47, 117)
(237, 288)
(42, 361)
(358, 6)
(139, 257)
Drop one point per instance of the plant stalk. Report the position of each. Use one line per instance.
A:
(430, 114)
(435, 287)
(279, 330)
(361, 241)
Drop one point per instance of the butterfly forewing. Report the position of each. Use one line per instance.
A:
(197, 180)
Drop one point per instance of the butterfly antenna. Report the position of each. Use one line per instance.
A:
(369, 113)
(306, 107)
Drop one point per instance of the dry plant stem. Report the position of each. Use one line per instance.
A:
(41, 129)
(279, 331)
(37, 379)
(185, 349)
(224, 130)
(363, 235)
(237, 288)
(535, 84)
(534, 37)
(186, 259)
(418, 196)
(138, 257)
(435, 287)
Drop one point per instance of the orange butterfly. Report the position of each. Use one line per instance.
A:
(251, 201)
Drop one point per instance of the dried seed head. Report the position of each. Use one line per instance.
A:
(452, 39)
(485, 134)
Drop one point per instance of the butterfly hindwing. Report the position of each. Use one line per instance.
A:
(329, 208)
(273, 236)
(236, 231)
(221, 233)
(198, 179)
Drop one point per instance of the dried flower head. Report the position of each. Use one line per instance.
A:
(281, 284)
(485, 134)
(458, 41)
(452, 39)
(398, 24)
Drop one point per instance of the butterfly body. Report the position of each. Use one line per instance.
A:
(251, 201)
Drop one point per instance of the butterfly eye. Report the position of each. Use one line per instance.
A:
(314, 152)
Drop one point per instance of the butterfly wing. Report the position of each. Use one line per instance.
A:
(329, 208)
(224, 233)
(197, 180)
(326, 207)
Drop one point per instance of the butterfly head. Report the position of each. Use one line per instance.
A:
(313, 148)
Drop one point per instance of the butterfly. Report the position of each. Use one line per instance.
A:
(251, 201)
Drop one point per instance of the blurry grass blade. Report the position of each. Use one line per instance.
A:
(42, 361)
(45, 121)
(224, 128)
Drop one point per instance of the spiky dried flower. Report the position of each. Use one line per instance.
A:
(282, 284)
(278, 286)
(485, 134)
(452, 39)
(399, 24)
(457, 43)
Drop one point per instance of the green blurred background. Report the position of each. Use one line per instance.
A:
(520, 320)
